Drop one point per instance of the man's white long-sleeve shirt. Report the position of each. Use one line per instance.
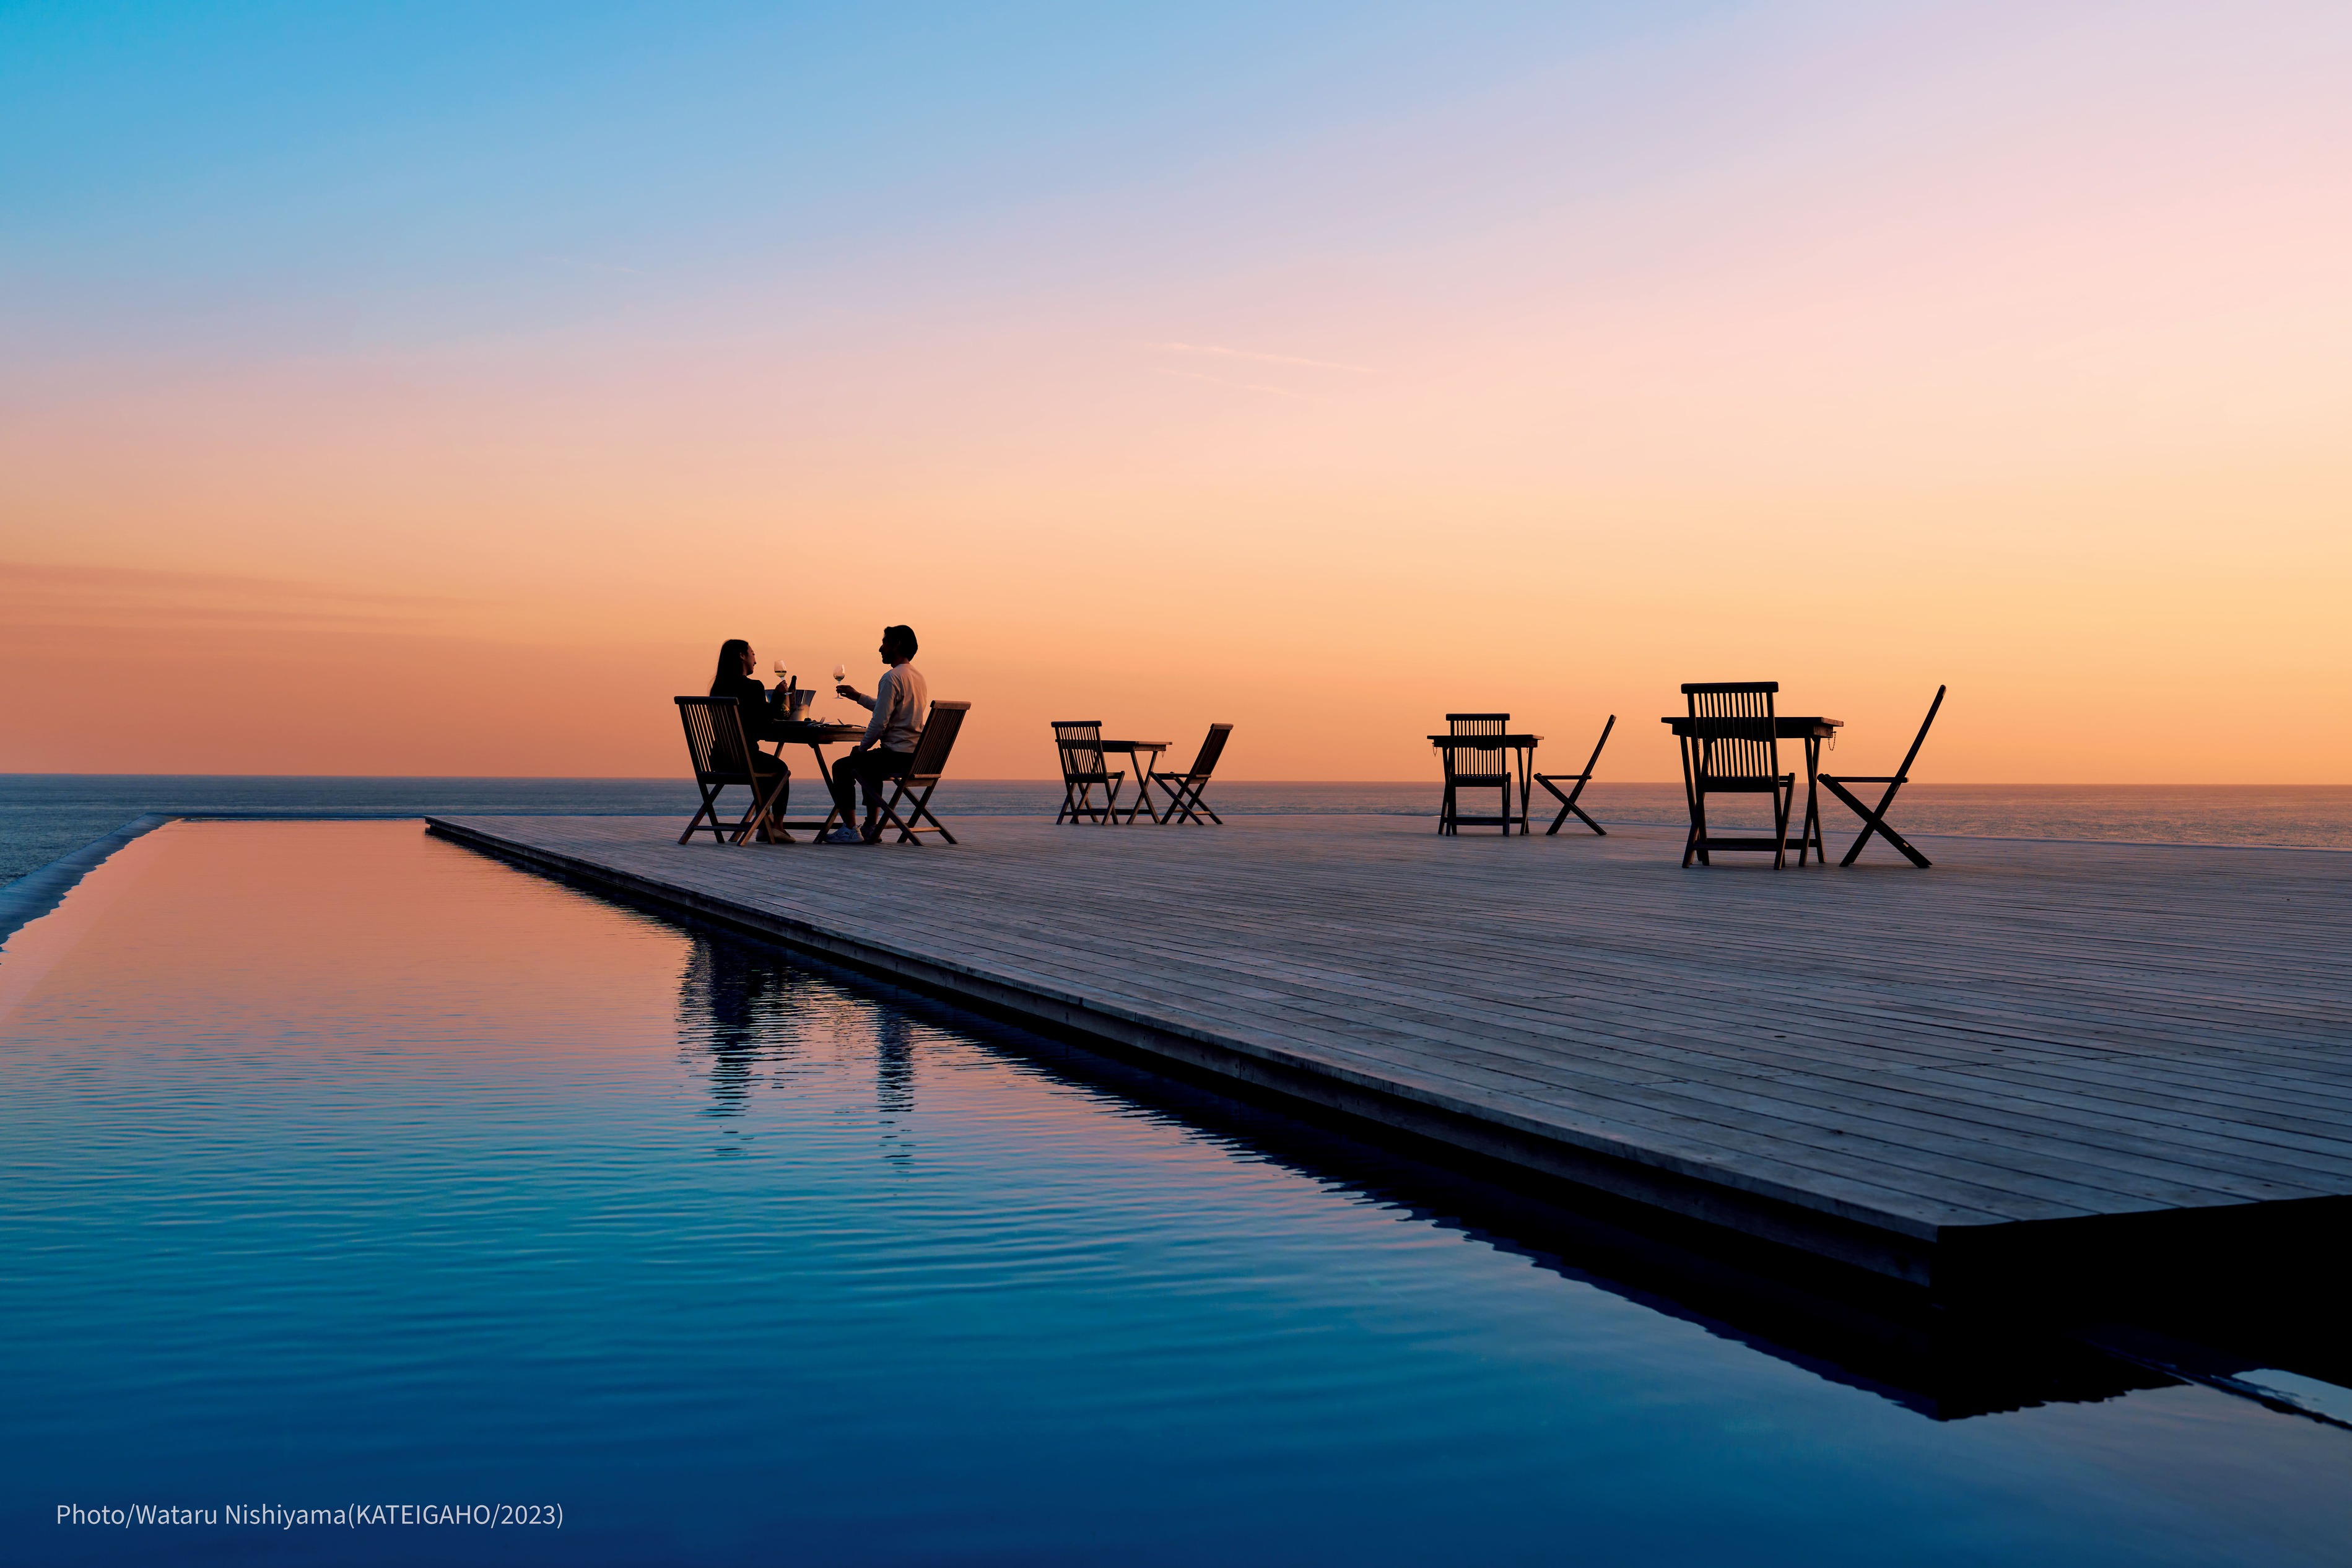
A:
(900, 700)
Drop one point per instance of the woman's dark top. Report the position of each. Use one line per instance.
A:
(751, 698)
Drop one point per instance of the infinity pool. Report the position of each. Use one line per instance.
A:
(342, 1169)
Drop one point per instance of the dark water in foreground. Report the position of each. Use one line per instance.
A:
(339, 1166)
(44, 816)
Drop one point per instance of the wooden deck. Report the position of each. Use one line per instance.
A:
(1903, 1070)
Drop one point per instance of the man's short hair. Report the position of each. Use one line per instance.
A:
(898, 641)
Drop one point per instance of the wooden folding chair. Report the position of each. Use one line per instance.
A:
(1568, 801)
(722, 755)
(1475, 757)
(1739, 753)
(1079, 741)
(931, 749)
(1874, 819)
(1184, 789)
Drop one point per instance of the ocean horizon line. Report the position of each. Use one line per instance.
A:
(1235, 779)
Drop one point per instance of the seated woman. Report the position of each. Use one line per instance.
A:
(734, 678)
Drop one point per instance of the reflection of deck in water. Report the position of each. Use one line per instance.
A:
(2035, 1056)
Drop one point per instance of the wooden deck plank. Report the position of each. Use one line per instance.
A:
(2029, 1032)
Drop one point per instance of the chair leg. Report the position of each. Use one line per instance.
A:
(709, 808)
(1582, 815)
(755, 816)
(922, 814)
(1690, 798)
(910, 826)
(1568, 805)
(1903, 845)
(890, 811)
(1182, 798)
(773, 811)
(1875, 821)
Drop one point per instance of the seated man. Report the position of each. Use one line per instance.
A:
(899, 702)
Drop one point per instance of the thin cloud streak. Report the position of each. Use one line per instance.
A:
(1245, 385)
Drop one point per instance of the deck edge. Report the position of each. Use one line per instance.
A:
(1889, 1245)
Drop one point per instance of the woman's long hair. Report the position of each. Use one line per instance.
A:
(730, 665)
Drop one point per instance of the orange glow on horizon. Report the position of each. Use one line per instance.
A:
(1892, 354)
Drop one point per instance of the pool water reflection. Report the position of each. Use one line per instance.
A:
(341, 1164)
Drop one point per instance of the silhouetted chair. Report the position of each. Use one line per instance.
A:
(1475, 757)
(1184, 789)
(1568, 801)
(1733, 747)
(722, 755)
(930, 761)
(1874, 818)
(1079, 741)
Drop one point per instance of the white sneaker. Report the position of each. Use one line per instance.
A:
(845, 836)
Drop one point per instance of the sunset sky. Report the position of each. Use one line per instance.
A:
(429, 389)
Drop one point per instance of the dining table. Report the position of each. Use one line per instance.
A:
(816, 734)
(1135, 752)
(1692, 732)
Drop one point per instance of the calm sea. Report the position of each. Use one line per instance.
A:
(44, 816)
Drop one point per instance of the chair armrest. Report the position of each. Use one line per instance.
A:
(1866, 778)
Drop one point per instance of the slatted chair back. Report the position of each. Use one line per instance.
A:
(1737, 759)
(720, 752)
(913, 790)
(1473, 765)
(1184, 802)
(715, 738)
(937, 739)
(1212, 746)
(1079, 744)
(1903, 773)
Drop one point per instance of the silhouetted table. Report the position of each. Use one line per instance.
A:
(1133, 751)
(815, 735)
